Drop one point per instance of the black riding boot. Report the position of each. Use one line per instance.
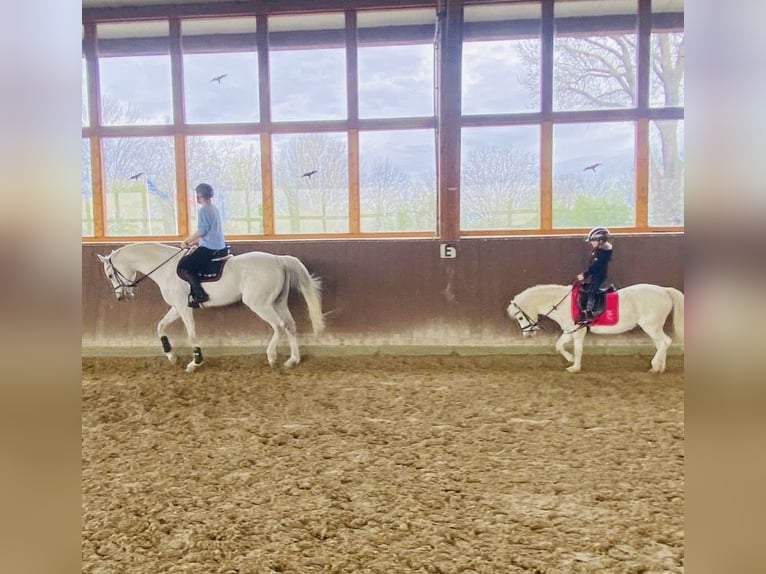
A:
(198, 294)
(587, 314)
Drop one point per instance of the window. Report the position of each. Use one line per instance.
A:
(667, 70)
(398, 181)
(594, 175)
(667, 54)
(87, 191)
(306, 83)
(500, 181)
(340, 137)
(220, 86)
(501, 59)
(396, 81)
(140, 186)
(85, 118)
(666, 173)
(307, 202)
(232, 165)
(594, 66)
(135, 90)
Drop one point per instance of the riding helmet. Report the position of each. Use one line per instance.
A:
(598, 234)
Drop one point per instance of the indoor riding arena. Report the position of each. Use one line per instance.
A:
(427, 161)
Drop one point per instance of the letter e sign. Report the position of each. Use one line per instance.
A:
(447, 251)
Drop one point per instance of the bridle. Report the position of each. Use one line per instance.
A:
(124, 283)
(533, 325)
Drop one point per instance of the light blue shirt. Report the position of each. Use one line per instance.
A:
(209, 227)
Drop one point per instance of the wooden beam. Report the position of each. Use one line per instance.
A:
(90, 51)
(182, 184)
(234, 8)
(352, 113)
(546, 176)
(265, 127)
(354, 204)
(267, 185)
(97, 181)
(642, 173)
(642, 124)
(448, 111)
(179, 118)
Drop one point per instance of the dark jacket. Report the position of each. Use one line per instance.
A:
(597, 270)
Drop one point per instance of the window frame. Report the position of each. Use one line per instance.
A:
(446, 122)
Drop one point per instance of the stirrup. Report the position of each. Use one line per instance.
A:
(195, 302)
(586, 318)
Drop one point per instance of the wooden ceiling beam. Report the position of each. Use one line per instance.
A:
(219, 9)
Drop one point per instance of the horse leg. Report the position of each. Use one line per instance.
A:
(289, 325)
(188, 318)
(268, 314)
(578, 336)
(561, 344)
(661, 342)
(162, 326)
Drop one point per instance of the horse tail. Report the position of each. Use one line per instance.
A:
(678, 311)
(309, 286)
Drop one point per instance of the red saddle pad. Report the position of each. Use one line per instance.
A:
(611, 314)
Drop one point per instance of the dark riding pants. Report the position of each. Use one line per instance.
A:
(192, 264)
(591, 290)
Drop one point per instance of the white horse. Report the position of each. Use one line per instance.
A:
(643, 305)
(261, 281)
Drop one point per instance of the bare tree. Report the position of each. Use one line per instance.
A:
(598, 71)
(321, 197)
(380, 195)
(497, 183)
(666, 168)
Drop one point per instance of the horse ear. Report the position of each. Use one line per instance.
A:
(100, 257)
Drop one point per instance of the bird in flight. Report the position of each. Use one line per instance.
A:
(308, 174)
(593, 167)
(137, 176)
(219, 78)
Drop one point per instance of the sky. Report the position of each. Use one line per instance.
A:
(394, 81)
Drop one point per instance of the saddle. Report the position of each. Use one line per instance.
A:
(214, 269)
(606, 310)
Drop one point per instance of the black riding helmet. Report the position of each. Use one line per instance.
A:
(598, 234)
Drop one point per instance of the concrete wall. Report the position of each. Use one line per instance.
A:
(387, 292)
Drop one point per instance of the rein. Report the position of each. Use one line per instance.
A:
(125, 282)
(532, 324)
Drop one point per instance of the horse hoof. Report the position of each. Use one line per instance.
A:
(290, 362)
(172, 357)
(191, 367)
(573, 369)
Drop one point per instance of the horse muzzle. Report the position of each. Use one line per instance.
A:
(124, 294)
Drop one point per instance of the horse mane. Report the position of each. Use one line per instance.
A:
(543, 287)
(148, 244)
